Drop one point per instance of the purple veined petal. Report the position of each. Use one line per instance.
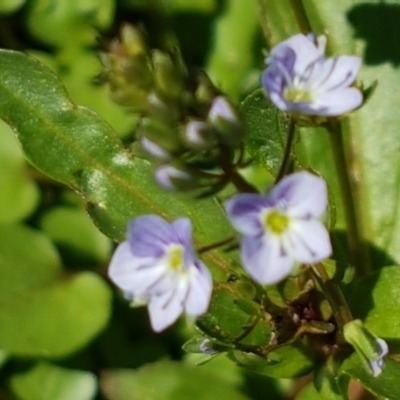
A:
(317, 73)
(307, 241)
(200, 288)
(264, 260)
(338, 102)
(139, 276)
(243, 212)
(343, 72)
(121, 266)
(149, 235)
(304, 195)
(183, 231)
(166, 308)
(305, 50)
(278, 75)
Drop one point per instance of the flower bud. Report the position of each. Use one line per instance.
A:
(205, 91)
(167, 75)
(368, 346)
(154, 150)
(174, 177)
(159, 133)
(224, 118)
(198, 135)
(127, 68)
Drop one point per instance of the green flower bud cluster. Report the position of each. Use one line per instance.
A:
(186, 126)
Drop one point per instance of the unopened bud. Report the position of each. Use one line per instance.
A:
(172, 177)
(161, 110)
(205, 90)
(198, 135)
(127, 69)
(167, 76)
(154, 150)
(159, 133)
(368, 346)
(224, 118)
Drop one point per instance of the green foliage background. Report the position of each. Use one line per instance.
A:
(65, 332)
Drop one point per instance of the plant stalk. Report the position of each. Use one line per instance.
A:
(355, 239)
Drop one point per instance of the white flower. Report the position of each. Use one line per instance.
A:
(282, 228)
(157, 264)
(299, 78)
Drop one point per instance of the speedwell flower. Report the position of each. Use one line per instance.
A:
(157, 263)
(281, 228)
(299, 78)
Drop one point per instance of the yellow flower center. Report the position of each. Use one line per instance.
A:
(175, 255)
(297, 95)
(276, 222)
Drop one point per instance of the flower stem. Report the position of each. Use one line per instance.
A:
(262, 12)
(334, 295)
(216, 245)
(356, 243)
(288, 151)
(301, 16)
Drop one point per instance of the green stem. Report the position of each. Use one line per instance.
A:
(335, 298)
(288, 151)
(301, 16)
(262, 12)
(216, 245)
(356, 243)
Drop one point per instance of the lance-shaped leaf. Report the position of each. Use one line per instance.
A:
(75, 146)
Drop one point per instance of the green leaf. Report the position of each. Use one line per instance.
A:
(175, 6)
(67, 22)
(278, 20)
(226, 321)
(47, 381)
(3, 357)
(74, 146)
(9, 6)
(173, 381)
(58, 314)
(18, 194)
(67, 226)
(267, 129)
(285, 362)
(309, 393)
(231, 56)
(380, 294)
(385, 385)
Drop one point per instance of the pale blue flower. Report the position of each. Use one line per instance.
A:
(299, 78)
(157, 263)
(282, 228)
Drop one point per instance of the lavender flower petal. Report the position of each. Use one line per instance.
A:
(264, 259)
(243, 211)
(300, 79)
(303, 194)
(148, 236)
(200, 290)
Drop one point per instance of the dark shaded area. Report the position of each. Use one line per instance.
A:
(379, 25)
(378, 257)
